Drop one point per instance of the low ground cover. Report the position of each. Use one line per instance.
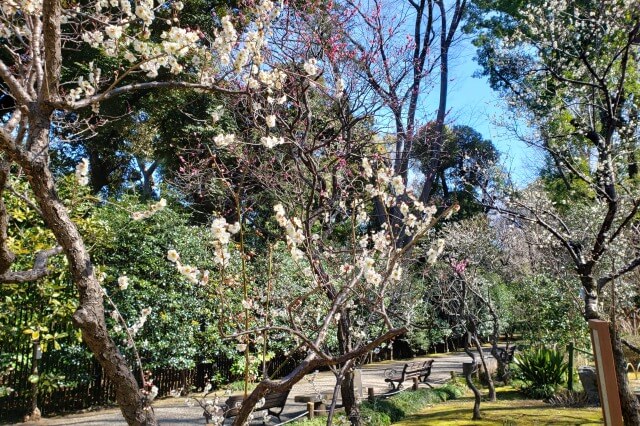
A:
(510, 409)
(384, 412)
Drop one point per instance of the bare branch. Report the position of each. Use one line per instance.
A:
(39, 269)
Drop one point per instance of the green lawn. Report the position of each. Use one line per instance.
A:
(505, 412)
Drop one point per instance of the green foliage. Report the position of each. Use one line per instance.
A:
(543, 369)
(138, 250)
(238, 386)
(384, 412)
(544, 311)
(255, 364)
(410, 402)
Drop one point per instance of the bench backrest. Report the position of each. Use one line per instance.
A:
(271, 400)
(413, 369)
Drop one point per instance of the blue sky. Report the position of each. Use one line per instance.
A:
(472, 102)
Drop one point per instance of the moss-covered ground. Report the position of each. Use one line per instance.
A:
(510, 409)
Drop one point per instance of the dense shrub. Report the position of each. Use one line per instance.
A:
(543, 369)
(384, 412)
(406, 403)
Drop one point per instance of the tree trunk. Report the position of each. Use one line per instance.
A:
(468, 372)
(334, 398)
(492, 388)
(628, 401)
(347, 392)
(34, 411)
(89, 316)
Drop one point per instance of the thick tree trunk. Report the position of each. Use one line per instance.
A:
(468, 377)
(490, 385)
(628, 401)
(347, 392)
(89, 316)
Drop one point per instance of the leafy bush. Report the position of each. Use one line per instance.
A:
(384, 412)
(543, 369)
(406, 403)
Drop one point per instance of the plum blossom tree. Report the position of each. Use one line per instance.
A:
(570, 69)
(36, 34)
(400, 51)
(324, 170)
(320, 171)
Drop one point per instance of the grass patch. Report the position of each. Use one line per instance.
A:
(508, 411)
(383, 412)
(406, 403)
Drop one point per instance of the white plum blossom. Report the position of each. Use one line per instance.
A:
(398, 184)
(82, 172)
(113, 31)
(123, 282)
(153, 209)
(173, 256)
(271, 120)
(223, 140)
(311, 67)
(435, 251)
(366, 168)
(271, 141)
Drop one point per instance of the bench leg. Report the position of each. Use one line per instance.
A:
(424, 380)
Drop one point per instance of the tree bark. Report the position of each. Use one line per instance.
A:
(628, 401)
(347, 391)
(469, 380)
(89, 316)
(492, 388)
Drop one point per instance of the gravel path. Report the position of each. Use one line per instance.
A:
(175, 412)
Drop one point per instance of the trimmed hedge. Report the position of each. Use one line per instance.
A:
(384, 412)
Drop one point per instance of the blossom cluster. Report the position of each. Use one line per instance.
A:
(192, 274)
(153, 209)
(222, 232)
(82, 172)
(294, 233)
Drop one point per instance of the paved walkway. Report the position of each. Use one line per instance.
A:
(175, 412)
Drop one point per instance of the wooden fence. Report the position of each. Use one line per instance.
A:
(84, 383)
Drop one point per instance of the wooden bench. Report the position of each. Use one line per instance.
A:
(271, 400)
(411, 370)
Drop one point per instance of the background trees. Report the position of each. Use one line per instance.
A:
(571, 71)
(317, 111)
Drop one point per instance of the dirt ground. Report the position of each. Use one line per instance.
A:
(176, 411)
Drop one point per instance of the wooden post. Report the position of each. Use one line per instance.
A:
(371, 394)
(606, 372)
(310, 410)
(570, 367)
(415, 384)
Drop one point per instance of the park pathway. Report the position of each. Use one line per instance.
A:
(175, 412)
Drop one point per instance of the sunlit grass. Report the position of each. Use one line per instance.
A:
(510, 409)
